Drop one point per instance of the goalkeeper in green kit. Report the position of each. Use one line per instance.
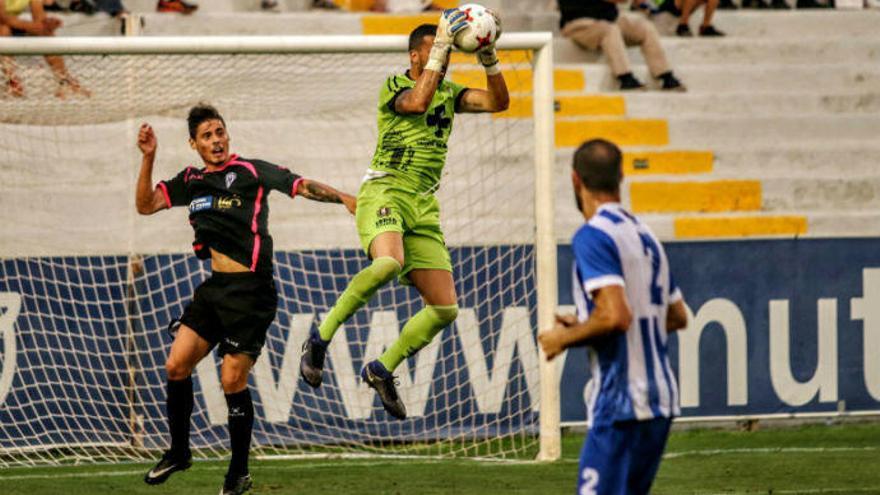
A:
(398, 217)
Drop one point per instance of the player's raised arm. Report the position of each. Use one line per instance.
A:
(433, 57)
(148, 200)
(610, 314)
(495, 98)
(317, 191)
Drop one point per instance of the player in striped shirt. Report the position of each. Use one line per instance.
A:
(627, 303)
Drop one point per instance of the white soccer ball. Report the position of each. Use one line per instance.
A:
(481, 30)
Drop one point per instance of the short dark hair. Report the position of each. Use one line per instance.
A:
(419, 33)
(598, 164)
(201, 113)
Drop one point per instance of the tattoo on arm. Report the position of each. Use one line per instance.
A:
(320, 192)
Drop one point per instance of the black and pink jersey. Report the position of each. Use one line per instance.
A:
(228, 207)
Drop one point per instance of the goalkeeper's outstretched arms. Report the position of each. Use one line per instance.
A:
(495, 97)
(428, 62)
(147, 199)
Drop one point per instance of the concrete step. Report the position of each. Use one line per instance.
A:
(520, 80)
(726, 131)
(822, 159)
(677, 227)
(655, 195)
(761, 75)
(707, 194)
(222, 16)
(845, 193)
(738, 225)
(816, 160)
(740, 24)
(252, 23)
(793, 24)
(569, 106)
(625, 132)
(825, 49)
(221, 6)
(647, 162)
(784, 223)
(655, 104)
(82, 25)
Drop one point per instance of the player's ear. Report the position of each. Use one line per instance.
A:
(192, 143)
(576, 181)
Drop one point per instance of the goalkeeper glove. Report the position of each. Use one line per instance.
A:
(487, 55)
(451, 22)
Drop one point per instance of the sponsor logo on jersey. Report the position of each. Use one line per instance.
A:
(383, 212)
(201, 203)
(227, 203)
(230, 178)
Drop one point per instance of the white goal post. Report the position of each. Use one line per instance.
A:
(60, 264)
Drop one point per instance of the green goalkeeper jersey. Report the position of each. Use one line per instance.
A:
(412, 148)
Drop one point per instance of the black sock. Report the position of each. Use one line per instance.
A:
(179, 407)
(241, 422)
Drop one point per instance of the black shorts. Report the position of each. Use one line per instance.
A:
(234, 311)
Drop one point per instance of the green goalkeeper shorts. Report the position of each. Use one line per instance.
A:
(381, 207)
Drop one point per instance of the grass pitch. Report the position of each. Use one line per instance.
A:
(841, 459)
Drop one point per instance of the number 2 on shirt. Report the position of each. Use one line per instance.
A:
(653, 252)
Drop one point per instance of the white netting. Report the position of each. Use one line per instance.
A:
(87, 287)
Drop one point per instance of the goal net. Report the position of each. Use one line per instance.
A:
(88, 287)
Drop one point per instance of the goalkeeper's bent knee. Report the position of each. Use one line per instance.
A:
(384, 269)
(444, 315)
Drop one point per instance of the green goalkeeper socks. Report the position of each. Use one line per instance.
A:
(417, 333)
(359, 291)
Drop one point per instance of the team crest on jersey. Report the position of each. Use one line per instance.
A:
(384, 217)
(230, 178)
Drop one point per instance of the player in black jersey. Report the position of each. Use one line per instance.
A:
(233, 309)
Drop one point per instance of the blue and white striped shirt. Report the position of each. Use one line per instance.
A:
(632, 377)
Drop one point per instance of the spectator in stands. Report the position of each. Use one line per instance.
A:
(113, 7)
(88, 7)
(774, 4)
(272, 5)
(683, 10)
(597, 24)
(324, 4)
(179, 6)
(39, 25)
